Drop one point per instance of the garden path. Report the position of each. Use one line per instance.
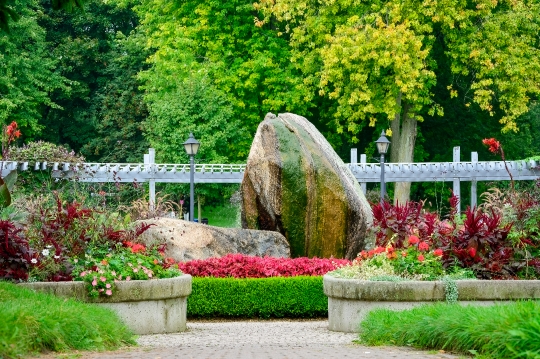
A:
(264, 339)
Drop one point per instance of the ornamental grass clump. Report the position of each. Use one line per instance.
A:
(35, 322)
(501, 331)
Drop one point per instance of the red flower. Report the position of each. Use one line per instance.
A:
(137, 248)
(380, 250)
(438, 252)
(421, 258)
(413, 239)
(493, 144)
(404, 254)
(472, 252)
(423, 246)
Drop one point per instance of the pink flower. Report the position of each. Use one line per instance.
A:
(83, 274)
(103, 279)
(413, 239)
(107, 285)
(108, 292)
(94, 282)
(438, 252)
(421, 258)
(135, 270)
(423, 246)
(128, 278)
(113, 273)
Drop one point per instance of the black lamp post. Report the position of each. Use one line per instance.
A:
(191, 146)
(382, 146)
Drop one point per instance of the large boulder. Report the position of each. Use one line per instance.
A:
(296, 184)
(188, 240)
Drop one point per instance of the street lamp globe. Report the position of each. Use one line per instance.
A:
(191, 145)
(382, 144)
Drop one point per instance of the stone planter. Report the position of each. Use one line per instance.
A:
(146, 306)
(350, 300)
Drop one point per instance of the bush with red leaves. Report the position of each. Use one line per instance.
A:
(243, 266)
(15, 253)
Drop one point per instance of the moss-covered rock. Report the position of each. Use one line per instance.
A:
(296, 184)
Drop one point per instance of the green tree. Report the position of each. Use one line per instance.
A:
(217, 43)
(120, 110)
(104, 105)
(11, 11)
(28, 73)
(376, 59)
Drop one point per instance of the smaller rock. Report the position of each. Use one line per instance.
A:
(188, 240)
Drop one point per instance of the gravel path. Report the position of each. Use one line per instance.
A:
(258, 339)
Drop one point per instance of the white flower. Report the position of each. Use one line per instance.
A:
(48, 246)
(45, 252)
(34, 260)
(56, 257)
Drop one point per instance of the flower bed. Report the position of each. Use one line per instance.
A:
(240, 286)
(146, 306)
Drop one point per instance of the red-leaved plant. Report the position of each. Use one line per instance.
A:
(243, 266)
(16, 256)
(393, 224)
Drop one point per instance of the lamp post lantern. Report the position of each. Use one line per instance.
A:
(382, 146)
(191, 146)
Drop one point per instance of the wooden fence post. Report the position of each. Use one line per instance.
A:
(457, 192)
(474, 159)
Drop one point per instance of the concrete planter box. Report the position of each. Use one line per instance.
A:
(146, 306)
(350, 300)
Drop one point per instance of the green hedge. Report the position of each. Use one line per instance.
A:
(275, 297)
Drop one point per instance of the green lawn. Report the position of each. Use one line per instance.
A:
(227, 216)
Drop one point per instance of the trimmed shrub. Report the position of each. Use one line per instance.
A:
(242, 266)
(277, 297)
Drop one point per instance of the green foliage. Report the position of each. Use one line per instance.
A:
(6, 186)
(215, 49)
(41, 151)
(276, 297)
(28, 73)
(194, 106)
(376, 58)
(103, 105)
(35, 322)
(100, 269)
(498, 331)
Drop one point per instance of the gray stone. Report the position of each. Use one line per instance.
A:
(146, 306)
(351, 300)
(296, 184)
(189, 240)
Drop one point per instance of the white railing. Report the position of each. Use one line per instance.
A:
(149, 171)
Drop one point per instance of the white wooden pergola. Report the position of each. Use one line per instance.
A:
(149, 171)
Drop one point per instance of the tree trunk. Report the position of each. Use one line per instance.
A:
(403, 138)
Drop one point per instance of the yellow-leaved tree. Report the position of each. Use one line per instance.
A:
(376, 59)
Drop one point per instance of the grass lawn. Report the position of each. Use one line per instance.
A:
(34, 322)
(504, 331)
(227, 216)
